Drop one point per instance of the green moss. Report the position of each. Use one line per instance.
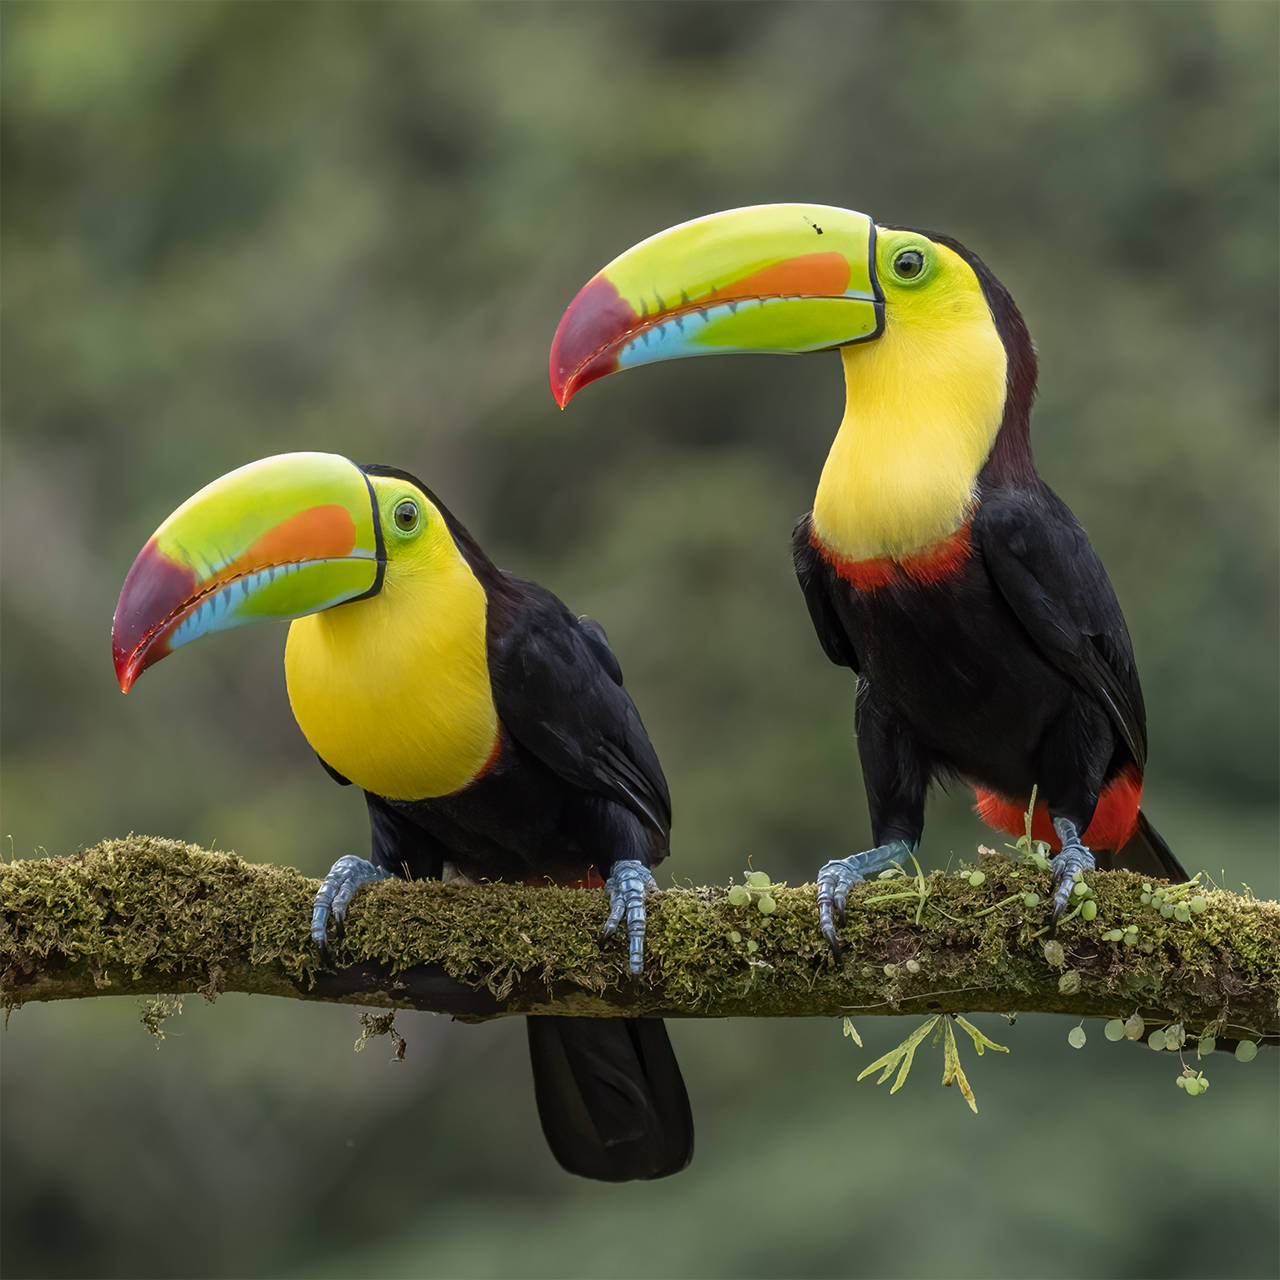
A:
(144, 914)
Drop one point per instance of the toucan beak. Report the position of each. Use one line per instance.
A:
(781, 278)
(279, 538)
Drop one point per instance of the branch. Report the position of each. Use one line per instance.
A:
(145, 916)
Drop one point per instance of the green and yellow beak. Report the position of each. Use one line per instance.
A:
(279, 538)
(783, 278)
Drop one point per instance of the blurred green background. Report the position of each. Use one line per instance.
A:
(236, 229)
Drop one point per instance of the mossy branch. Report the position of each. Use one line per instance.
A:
(145, 916)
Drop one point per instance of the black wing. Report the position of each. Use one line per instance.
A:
(558, 691)
(1044, 566)
(815, 582)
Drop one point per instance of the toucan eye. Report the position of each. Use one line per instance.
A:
(908, 264)
(406, 516)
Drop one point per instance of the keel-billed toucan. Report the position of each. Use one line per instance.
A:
(936, 563)
(487, 726)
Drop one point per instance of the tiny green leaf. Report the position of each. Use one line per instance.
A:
(767, 904)
(1076, 1038)
(1134, 1027)
(1089, 910)
(739, 896)
(1030, 900)
(1246, 1051)
(758, 879)
(1114, 1030)
(852, 1032)
(1069, 983)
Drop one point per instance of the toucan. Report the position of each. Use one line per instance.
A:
(936, 564)
(487, 726)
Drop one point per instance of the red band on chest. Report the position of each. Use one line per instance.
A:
(1114, 820)
(930, 565)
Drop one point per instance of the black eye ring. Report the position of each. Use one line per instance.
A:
(909, 264)
(406, 516)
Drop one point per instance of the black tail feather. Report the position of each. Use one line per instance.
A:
(610, 1096)
(1148, 855)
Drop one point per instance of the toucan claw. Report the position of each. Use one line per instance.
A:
(628, 883)
(336, 891)
(838, 876)
(1073, 857)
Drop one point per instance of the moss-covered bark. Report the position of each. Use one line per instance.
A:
(151, 916)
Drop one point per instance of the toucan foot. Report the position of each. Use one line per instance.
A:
(344, 878)
(628, 882)
(1073, 857)
(837, 876)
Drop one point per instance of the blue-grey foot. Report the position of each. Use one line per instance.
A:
(1073, 857)
(836, 876)
(344, 878)
(628, 882)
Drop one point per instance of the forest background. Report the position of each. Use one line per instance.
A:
(236, 229)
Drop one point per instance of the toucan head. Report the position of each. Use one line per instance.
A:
(791, 278)
(280, 538)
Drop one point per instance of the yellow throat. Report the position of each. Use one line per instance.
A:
(393, 691)
(924, 403)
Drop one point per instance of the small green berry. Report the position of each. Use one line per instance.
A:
(1030, 900)
(767, 904)
(758, 879)
(1134, 1027)
(738, 896)
(1246, 1051)
(1076, 1037)
(1199, 905)
(1114, 1030)
(1079, 889)
(1089, 910)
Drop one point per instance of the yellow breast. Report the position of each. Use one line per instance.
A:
(923, 407)
(393, 692)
